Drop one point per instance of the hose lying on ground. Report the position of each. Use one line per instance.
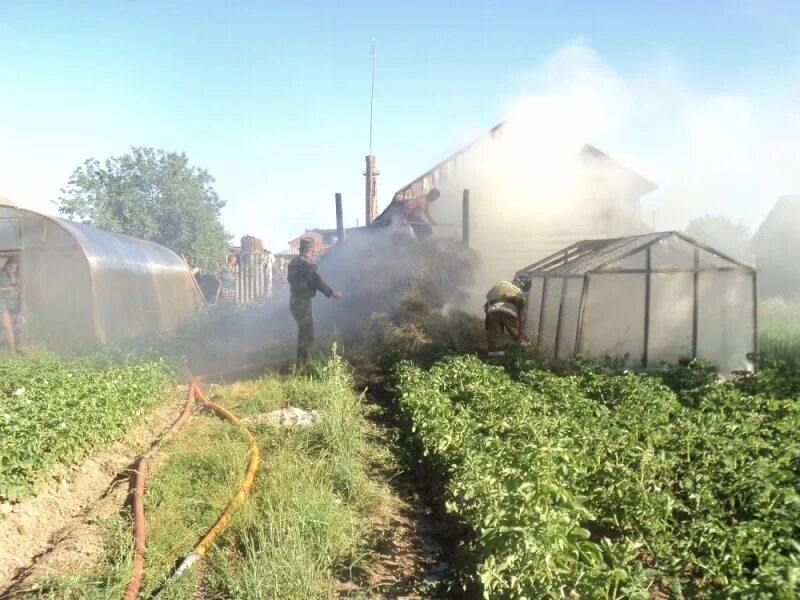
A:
(139, 528)
(202, 546)
(135, 584)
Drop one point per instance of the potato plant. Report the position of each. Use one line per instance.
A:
(601, 485)
(56, 409)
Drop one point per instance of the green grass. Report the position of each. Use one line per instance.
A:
(300, 534)
(59, 409)
(779, 332)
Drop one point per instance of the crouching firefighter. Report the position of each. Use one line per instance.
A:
(505, 313)
(304, 281)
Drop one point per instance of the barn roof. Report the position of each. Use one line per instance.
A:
(586, 153)
(782, 220)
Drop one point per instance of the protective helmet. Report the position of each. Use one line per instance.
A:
(523, 282)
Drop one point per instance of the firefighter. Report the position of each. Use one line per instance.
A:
(505, 313)
(304, 281)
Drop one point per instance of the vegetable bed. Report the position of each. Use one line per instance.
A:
(606, 485)
(55, 409)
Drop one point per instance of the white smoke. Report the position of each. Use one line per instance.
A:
(729, 151)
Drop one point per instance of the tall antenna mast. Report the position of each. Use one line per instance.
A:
(371, 172)
(372, 97)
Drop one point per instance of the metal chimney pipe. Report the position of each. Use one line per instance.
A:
(339, 219)
(465, 218)
(371, 190)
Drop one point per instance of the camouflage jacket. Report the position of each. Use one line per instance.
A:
(304, 280)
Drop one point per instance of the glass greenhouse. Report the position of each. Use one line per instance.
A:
(643, 300)
(79, 285)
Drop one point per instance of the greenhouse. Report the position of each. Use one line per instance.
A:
(643, 301)
(79, 285)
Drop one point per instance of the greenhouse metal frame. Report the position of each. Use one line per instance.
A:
(696, 302)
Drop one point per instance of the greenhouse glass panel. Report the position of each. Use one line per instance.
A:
(726, 320)
(613, 323)
(9, 228)
(672, 253)
(569, 317)
(738, 321)
(709, 259)
(671, 317)
(710, 322)
(534, 305)
(612, 320)
(636, 261)
(549, 324)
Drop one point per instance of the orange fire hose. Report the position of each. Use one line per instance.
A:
(249, 477)
(139, 526)
(200, 549)
(135, 584)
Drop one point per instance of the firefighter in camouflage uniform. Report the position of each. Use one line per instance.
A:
(304, 281)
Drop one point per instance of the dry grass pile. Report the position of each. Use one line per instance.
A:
(403, 298)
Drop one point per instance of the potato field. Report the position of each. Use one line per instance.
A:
(595, 484)
(57, 410)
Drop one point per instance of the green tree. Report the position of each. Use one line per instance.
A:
(722, 234)
(152, 195)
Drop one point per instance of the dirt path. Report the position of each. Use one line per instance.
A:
(53, 530)
(407, 561)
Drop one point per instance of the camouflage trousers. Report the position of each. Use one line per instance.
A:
(301, 311)
(497, 325)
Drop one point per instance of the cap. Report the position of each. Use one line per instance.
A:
(307, 243)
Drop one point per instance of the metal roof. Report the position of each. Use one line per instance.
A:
(587, 256)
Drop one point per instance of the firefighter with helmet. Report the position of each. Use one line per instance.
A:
(505, 313)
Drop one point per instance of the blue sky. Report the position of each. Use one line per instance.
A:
(273, 97)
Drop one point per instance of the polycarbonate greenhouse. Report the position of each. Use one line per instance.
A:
(643, 300)
(80, 285)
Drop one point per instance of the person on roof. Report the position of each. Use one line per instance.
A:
(505, 313)
(417, 208)
(304, 282)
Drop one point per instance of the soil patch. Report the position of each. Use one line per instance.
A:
(54, 530)
(291, 416)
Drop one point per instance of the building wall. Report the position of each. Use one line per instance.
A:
(776, 246)
(514, 223)
(525, 206)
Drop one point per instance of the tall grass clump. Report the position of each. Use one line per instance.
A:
(306, 528)
(302, 532)
(779, 332)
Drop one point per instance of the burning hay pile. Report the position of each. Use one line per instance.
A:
(403, 299)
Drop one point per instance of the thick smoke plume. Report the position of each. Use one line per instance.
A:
(399, 302)
(729, 152)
